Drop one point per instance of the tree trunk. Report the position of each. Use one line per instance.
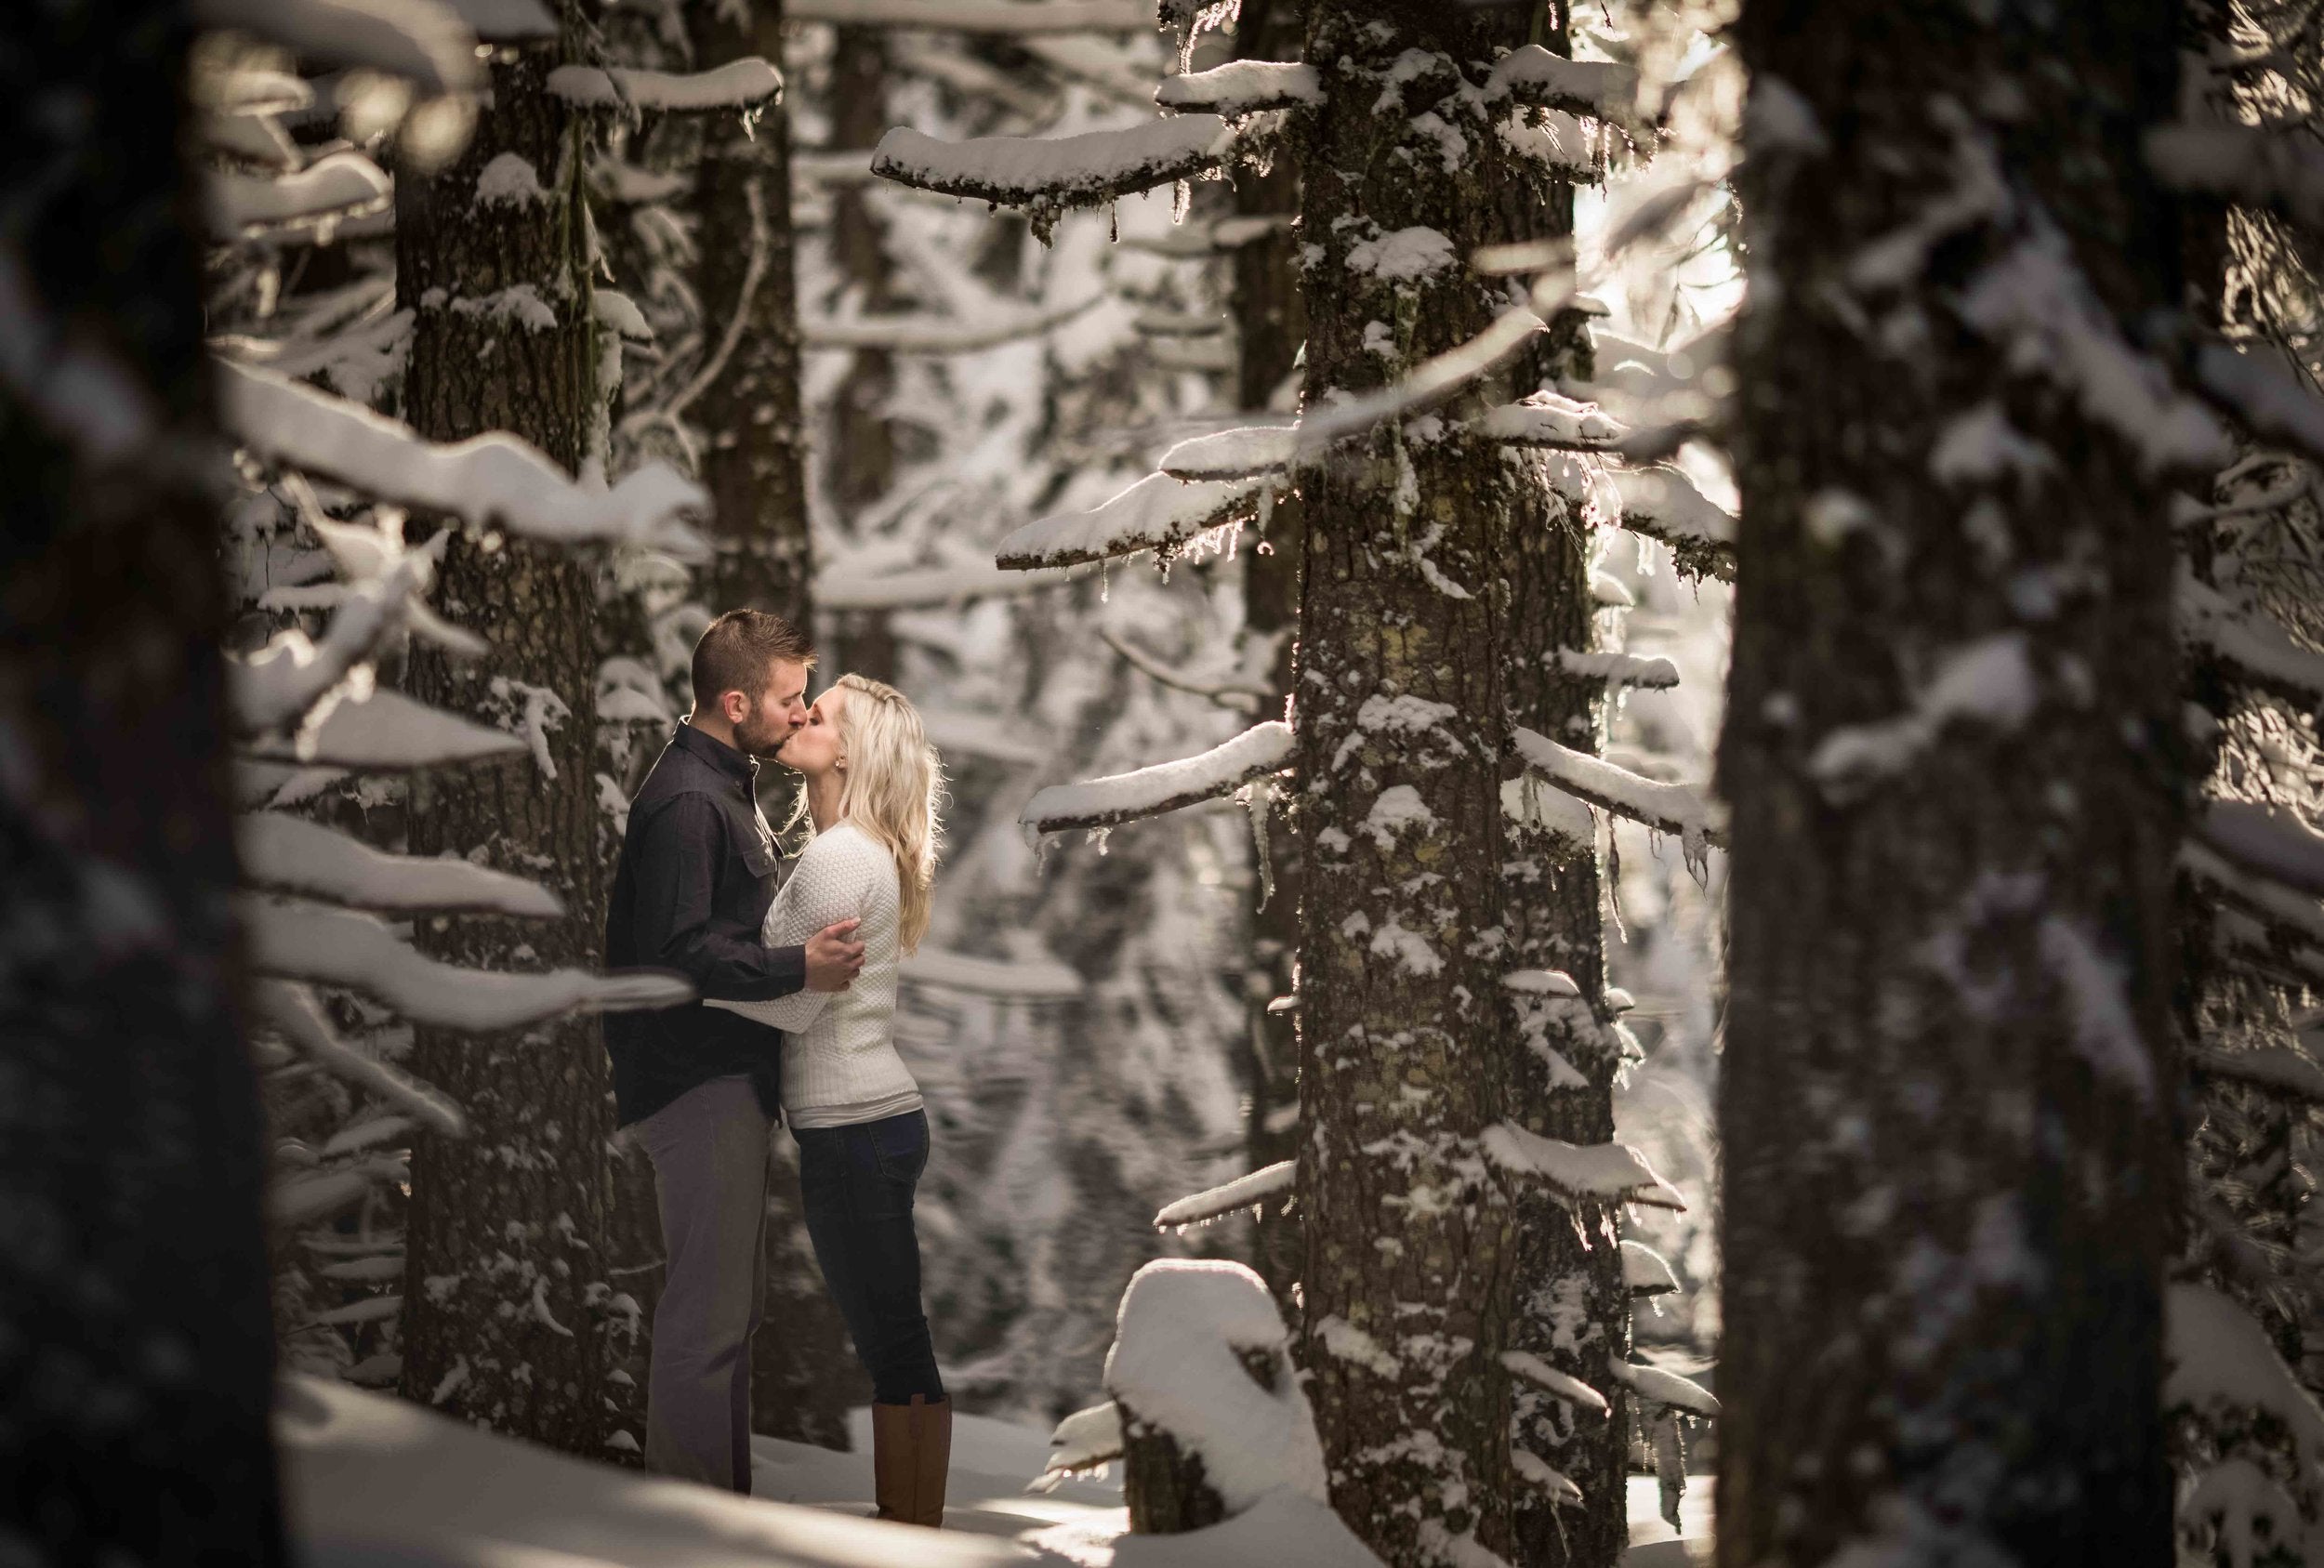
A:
(1271, 323)
(1403, 724)
(753, 463)
(1164, 1485)
(505, 1258)
(1573, 1305)
(860, 465)
(1947, 1094)
(136, 1357)
(754, 467)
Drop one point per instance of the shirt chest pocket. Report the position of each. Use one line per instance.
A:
(752, 839)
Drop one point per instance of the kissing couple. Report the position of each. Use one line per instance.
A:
(795, 1021)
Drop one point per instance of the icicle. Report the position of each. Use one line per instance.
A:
(1257, 798)
(1613, 875)
(1098, 835)
(1181, 201)
(1669, 1465)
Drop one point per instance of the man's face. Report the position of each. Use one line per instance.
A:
(761, 727)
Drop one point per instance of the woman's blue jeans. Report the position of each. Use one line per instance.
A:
(856, 1183)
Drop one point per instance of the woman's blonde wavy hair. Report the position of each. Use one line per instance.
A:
(895, 792)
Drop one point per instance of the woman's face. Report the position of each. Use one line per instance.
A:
(813, 748)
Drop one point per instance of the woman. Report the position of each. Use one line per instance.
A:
(873, 787)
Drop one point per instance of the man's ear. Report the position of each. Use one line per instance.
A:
(734, 705)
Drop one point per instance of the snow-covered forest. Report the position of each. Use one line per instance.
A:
(1628, 695)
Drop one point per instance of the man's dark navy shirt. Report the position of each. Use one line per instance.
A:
(691, 892)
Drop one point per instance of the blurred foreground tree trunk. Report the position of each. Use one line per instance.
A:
(136, 1348)
(1946, 1100)
(501, 1303)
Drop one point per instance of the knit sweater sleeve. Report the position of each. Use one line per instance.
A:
(833, 881)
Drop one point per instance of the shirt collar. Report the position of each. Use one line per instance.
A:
(743, 770)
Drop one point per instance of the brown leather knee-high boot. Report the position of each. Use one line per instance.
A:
(911, 1458)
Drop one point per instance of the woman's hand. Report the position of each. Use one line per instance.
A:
(832, 958)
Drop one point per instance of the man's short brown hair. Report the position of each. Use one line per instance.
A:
(737, 651)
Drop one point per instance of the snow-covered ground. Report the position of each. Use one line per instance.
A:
(375, 1483)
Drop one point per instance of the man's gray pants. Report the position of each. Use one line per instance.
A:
(709, 1148)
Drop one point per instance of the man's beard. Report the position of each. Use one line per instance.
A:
(762, 739)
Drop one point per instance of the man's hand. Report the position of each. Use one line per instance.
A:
(832, 958)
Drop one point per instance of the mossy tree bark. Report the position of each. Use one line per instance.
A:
(506, 1271)
(1411, 1268)
(1950, 1168)
(136, 1355)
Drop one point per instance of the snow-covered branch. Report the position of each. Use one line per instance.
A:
(1666, 807)
(2279, 1069)
(293, 1011)
(1241, 695)
(1197, 238)
(1083, 1441)
(981, 15)
(1167, 787)
(2242, 937)
(936, 334)
(2278, 168)
(2221, 1357)
(1645, 1271)
(1663, 504)
(293, 940)
(738, 319)
(736, 85)
(2246, 645)
(283, 682)
(335, 187)
(1436, 379)
(2275, 844)
(1533, 76)
(251, 137)
(293, 855)
(1547, 1378)
(1665, 1387)
(423, 41)
(1243, 87)
(2287, 914)
(845, 586)
(1247, 453)
(1552, 423)
(2250, 387)
(1217, 1203)
(489, 480)
(386, 731)
(1041, 979)
(1654, 673)
(1158, 513)
(1576, 1173)
(1052, 173)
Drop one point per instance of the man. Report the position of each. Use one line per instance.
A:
(700, 1085)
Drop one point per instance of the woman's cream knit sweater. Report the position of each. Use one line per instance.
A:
(839, 1061)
